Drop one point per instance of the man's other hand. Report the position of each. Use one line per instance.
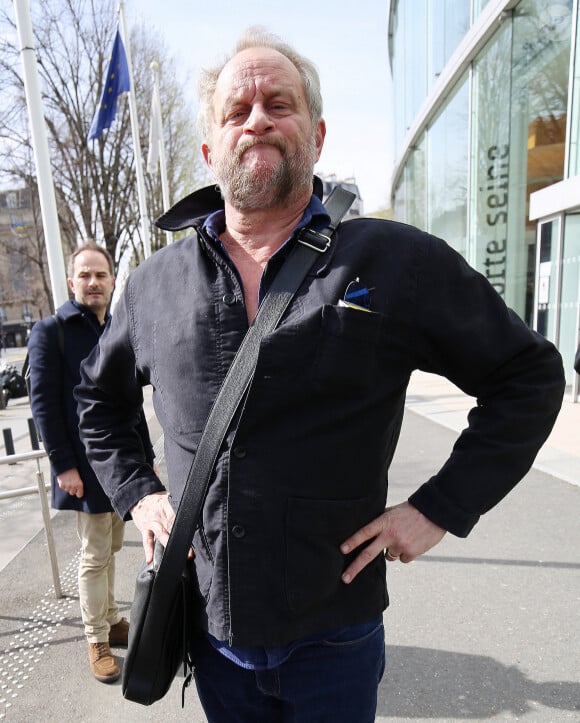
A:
(71, 482)
(402, 531)
(153, 515)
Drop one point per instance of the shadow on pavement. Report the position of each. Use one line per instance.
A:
(440, 684)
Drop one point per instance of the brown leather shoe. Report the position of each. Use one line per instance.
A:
(119, 633)
(103, 665)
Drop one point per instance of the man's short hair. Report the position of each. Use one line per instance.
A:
(89, 246)
(258, 37)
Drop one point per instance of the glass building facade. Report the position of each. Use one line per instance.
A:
(486, 127)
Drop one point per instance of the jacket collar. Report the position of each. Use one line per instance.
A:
(72, 308)
(192, 209)
(68, 310)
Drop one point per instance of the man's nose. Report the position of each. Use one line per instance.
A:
(258, 121)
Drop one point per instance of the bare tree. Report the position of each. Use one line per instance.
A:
(94, 183)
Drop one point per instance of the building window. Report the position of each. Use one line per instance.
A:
(490, 160)
(539, 99)
(569, 291)
(409, 64)
(448, 22)
(499, 135)
(447, 159)
(416, 200)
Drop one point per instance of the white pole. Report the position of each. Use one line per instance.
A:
(48, 530)
(136, 141)
(161, 141)
(41, 155)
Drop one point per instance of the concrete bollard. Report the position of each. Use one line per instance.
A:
(8, 441)
(33, 434)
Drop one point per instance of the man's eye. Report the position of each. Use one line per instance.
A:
(279, 106)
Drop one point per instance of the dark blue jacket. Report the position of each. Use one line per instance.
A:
(52, 380)
(305, 463)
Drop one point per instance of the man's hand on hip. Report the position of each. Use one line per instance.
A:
(402, 531)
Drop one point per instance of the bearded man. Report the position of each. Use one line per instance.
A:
(290, 551)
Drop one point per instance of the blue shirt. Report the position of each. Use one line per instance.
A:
(262, 658)
(314, 215)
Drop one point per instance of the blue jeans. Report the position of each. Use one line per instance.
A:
(331, 681)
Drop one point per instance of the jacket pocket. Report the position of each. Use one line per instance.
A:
(347, 350)
(314, 563)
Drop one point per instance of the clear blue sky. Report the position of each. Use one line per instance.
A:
(346, 41)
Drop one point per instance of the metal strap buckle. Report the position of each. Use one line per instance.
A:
(314, 240)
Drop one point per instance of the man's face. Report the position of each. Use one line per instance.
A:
(263, 146)
(92, 283)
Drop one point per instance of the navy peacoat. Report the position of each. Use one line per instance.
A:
(53, 377)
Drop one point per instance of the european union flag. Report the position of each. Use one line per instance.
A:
(116, 82)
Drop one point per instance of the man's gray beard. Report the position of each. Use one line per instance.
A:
(264, 185)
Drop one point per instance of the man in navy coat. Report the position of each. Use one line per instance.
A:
(57, 346)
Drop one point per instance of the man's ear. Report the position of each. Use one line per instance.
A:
(206, 153)
(320, 136)
(71, 284)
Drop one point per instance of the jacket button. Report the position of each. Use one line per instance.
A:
(239, 531)
(229, 299)
(239, 452)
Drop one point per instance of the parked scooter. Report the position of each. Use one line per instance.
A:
(12, 384)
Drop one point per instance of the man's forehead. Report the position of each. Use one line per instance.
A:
(89, 267)
(252, 64)
(88, 261)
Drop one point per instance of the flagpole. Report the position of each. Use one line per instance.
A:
(161, 144)
(136, 141)
(44, 179)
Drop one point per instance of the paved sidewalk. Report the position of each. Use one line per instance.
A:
(480, 629)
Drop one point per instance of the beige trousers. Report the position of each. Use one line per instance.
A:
(101, 537)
